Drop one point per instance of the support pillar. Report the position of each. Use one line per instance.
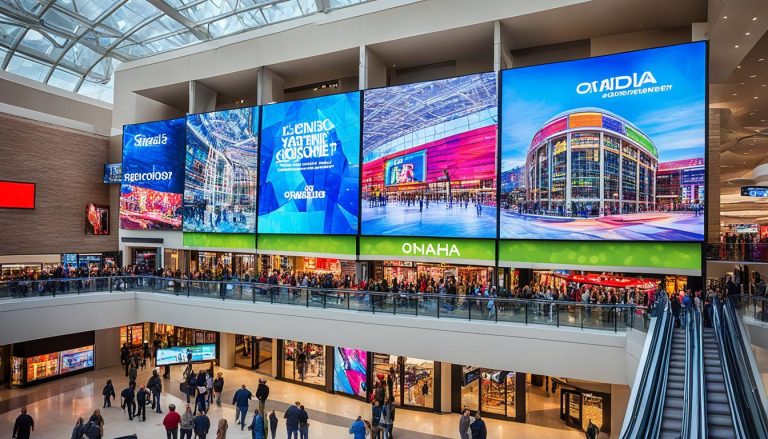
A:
(201, 98)
(373, 71)
(277, 346)
(446, 382)
(502, 59)
(270, 87)
(226, 350)
(106, 348)
(619, 402)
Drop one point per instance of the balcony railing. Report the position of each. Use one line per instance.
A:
(755, 252)
(577, 315)
(754, 307)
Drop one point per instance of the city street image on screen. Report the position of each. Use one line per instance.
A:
(429, 159)
(605, 148)
(221, 171)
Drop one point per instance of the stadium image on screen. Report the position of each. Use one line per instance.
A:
(184, 354)
(429, 158)
(153, 175)
(221, 171)
(606, 148)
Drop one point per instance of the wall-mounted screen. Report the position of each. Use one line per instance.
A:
(153, 175)
(113, 173)
(220, 171)
(42, 366)
(310, 166)
(76, 359)
(350, 371)
(96, 219)
(180, 354)
(17, 195)
(606, 148)
(429, 158)
(754, 191)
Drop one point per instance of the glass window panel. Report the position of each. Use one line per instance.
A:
(225, 26)
(159, 27)
(63, 79)
(282, 11)
(37, 42)
(208, 9)
(131, 49)
(342, 3)
(9, 32)
(88, 9)
(308, 6)
(96, 91)
(252, 19)
(130, 14)
(27, 68)
(172, 42)
(31, 6)
(82, 56)
(57, 20)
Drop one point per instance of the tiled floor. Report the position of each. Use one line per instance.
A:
(56, 405)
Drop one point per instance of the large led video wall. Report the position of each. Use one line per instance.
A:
(153, 175)
(600, 148)
(350, 371)
(429, 158)
(221, 171)
(310, 166)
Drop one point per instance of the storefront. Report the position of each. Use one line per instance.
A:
(301, 266)
(253, 353)
(171, 336)
(134, 337)
(492, 392)
(579, 406)
(42, 360)
(240, 264)
(412, 382)
(145, 257)
(303, 363)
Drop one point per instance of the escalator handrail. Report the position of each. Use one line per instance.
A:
(650, 386)
(694, 413)
(750, 405)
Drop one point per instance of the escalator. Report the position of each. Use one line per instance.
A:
(672, 416)
(719, 418)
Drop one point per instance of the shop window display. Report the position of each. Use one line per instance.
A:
(409, 380)
(304, 362)
(490, 391)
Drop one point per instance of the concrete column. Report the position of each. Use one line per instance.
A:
(619, 402)
(445, 387)
(270, 87)
(502, 59)
(201, 98)
(107, 348)
(373, 71)
(699, 31)
(276, 354)
(226, 350)
(717, 116)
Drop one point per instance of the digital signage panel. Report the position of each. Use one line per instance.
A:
(350, 371)
(96, 219)
(17, 195)
(113, 173)
(310, 166)
(76, 359)
(754, 191)
(153, 175)
(180, 354)
(624, 123)
(221, 171)
(429, 158)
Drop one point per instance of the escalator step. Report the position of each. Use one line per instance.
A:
(675, 393)
(713, 369)
(714, 378)
(717, 398)
(716, 432)
(670, 435)
(716, 388)
(720, 421)
(718, 409)
(676, 372)
(676, 403)
(677, 364)
(672, 426)
(673, 414)
(677, 385)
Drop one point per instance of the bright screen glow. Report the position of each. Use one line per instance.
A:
(96, 219)
(350, 371)
(76, 359)
(310, 166)
(220, 171)
(153, 175)
(179, 354)
(16, 195)
(606, 148)
(429, 158)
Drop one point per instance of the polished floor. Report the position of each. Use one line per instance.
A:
(56, 405)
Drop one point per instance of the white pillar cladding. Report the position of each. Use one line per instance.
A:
(201, 98)
(270, 87)
(445, 387)
(502, 58)
(106, 348)
(227, 350)
(275, 357)
(373, 71)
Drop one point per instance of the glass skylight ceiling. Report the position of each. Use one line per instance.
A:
(76, 45)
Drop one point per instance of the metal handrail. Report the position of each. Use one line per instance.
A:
(694, 413)
(487, 308)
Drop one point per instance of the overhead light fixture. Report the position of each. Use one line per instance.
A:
(736, 46)
(738, 67)
(747, 34)
(725, 17)
(761, 60)
(754, 18)
(753, 76)
(756, 97)
(735, 94)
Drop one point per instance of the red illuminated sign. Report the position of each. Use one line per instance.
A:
(17, 195)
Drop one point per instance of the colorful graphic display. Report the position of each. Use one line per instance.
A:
(429, 159)
(606, 148)
(153, 175)
(310, 166)
(17, 195)
(180, 354)
(113, 173)
(350, 371)
(76, 359)
(221, 171)
(96, 219)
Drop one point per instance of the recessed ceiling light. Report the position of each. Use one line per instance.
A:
(742, 83)
(762, 120)
(761, 60)
(736, 46)
(756, 97)
(753, 76)
(746, 34)
(725, 17)
(735, 94)
(738, 67)
(764, 85)
(754, 18)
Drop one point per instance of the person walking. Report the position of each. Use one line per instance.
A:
(96, 425)
(388, 418)
(303, 423)
(478, 428)
(464, 422)
(221, 430)
(273, 424)
(142, 398)
(201, 403)
(77, 432)
(187, 423)
(132, 374)
(262, 393)
(209, 387)
(108, 392)
(171, 423)
(218, 387)
(201, 425)
(357, 429)
(592, 430)
(128, 397)
(155, 385)
(257, 425)
(24, 425)
(291, 417)
(240, 400)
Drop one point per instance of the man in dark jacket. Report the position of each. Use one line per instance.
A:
(218, 387)
(262, 393)
(240, 400)
(129, 401)
(201, 425)
(464, 422)
(24, 425)
(292, 420)
(141, 404)
(108, 392)
(155, 385)
(478, 428)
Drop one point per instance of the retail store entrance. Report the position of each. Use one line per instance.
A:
(254, 353)
(424, 276)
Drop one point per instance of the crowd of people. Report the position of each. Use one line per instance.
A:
(742, 247)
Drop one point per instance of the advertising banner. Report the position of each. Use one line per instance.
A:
(96, 219)
(593, 139)
(429, 158)
(153, 175)
(113, 173)
(76, 359)
(221, 171)
(184, 354)
(350, 371)
(310, 166)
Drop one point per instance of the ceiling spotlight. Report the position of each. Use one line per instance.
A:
(756, 97)
(753, 76)
(761, 60)
(735, 94)
(725, 17)
(747, 34)
(738, 67)
(754, 18)
(735, 46)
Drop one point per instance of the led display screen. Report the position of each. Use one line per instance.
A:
(42, 366)
(96, 219)
(113, 173)
(17, 195)
(310, 166)
(350, 369)
(76, 359)
(754, 191)
(220, 171)
(180, 354)
(429, 158)
(153, 175)
(605, 148)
